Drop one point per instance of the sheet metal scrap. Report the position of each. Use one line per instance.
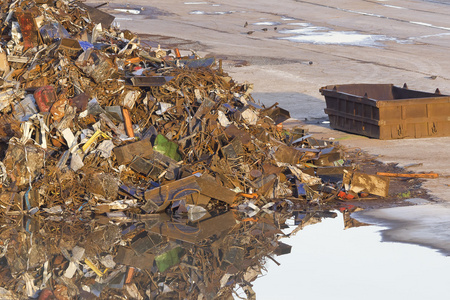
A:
(97, 128)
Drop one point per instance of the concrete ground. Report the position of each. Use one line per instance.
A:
(289, 49)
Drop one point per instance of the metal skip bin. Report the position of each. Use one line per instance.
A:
(385, 111)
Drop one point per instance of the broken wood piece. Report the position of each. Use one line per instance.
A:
(133, 60)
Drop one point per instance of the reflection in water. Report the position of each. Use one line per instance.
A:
(218, 256)
(156, 256)
(349, 222)
(328, 262)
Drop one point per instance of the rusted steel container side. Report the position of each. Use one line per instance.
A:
(385, 111)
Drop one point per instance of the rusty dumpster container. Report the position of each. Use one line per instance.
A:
(385, 111)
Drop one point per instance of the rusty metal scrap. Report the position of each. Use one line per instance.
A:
(154, 174)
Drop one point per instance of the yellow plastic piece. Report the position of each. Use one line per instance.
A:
(93, 138)
(93, 267)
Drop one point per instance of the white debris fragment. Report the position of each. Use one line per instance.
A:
(223, 120)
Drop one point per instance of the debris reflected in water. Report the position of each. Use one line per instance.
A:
(328, 262)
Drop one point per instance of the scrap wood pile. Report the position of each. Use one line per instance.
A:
(95, 125)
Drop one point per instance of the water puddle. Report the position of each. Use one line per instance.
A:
(200, 12)
(393, 6)
(195, 3)
(285, 18)
(129, 11)
(349, 38)
(308, 33)
(274, 252)
(330, 262)
(301, 32)
(266, 23)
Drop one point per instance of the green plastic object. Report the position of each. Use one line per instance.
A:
(166, 147)
(169, 259)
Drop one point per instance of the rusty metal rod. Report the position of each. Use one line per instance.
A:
(128, 124)
(426, 175)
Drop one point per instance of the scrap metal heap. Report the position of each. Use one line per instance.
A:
(159, 163)
(106, 124)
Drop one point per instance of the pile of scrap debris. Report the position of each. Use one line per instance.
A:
(96, 126)
(106, 125)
